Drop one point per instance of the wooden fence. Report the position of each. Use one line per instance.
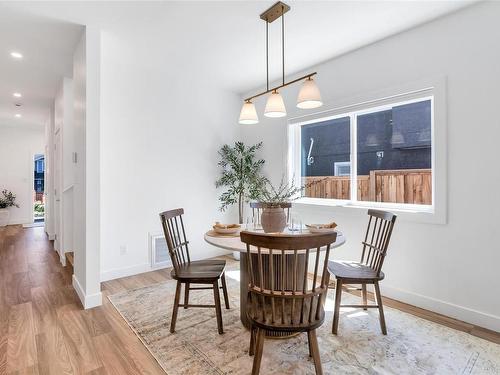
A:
(39, 197)
(394, 186)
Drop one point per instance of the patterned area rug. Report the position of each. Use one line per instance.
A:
(412, 346)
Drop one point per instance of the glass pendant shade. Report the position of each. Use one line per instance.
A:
(248, 114)
(309, 96)
(275, 107)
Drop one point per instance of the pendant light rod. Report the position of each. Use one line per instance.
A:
(267, 55)
(283, 42)
(279, 87)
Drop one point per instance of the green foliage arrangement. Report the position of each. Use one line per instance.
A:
(39, 209)
(275, 196)
(240, 175)
(8, 199)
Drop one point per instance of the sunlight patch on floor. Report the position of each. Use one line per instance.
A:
(235, 275)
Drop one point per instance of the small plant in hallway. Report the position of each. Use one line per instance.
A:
(240, 175)
(7, 199)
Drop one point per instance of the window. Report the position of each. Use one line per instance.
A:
(342, 168)
(39, 166)
(324, 144)
(378, 154)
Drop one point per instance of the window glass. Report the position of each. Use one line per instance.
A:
(394, 155)
(325, 159)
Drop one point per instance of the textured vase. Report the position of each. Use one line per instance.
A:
(4, 217)
(273, 219)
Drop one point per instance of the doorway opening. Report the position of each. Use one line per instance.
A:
(39, 189)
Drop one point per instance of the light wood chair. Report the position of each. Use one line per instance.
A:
(257, 211)
(187, 272)
(281, 298)
(369, 269)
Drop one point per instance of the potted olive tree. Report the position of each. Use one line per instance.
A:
(240, 176)
(7, 199)
(273, 218)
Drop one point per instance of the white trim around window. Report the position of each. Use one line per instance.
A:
(434, 89)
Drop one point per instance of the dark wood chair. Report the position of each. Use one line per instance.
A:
(189, 272)
(369, 269)
(281, 297)
(257, 211)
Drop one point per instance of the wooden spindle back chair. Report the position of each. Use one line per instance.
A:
(281, 297)
(369, 269)
(189, 272)
(257, 211)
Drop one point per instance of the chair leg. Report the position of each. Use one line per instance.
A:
(313, 345)
(364, 295)
(186, 295)
(336, 312)
(176, 306)
(380, 308)
(217, 307)
(251, 350)
(259, 348)
(224, 290)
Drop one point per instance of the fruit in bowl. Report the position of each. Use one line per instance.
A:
(322, 228)
(226, 228)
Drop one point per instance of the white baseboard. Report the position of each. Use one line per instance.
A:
(136, 269)
(117, 273)
(62, 258)
(88, 301)
(451, 310)
(20, 221)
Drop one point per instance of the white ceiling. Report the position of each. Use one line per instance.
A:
(47, 46)
(223, 40)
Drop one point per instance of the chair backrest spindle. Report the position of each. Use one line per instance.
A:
(175, 235)
(377, 237)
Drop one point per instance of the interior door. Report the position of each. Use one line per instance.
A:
(58, 192)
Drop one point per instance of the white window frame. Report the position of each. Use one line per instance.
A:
(410, 93)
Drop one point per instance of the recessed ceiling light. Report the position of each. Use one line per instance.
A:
(18, 115)
(16, 95)
(16, 55)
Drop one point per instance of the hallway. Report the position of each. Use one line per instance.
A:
(43, 328)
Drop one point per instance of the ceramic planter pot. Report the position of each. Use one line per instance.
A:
(273, 219)
(4, 217)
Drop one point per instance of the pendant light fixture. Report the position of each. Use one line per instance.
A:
(309, 95)
(248, 114)
(275, 106)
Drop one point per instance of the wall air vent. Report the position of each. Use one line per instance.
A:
(158, 251)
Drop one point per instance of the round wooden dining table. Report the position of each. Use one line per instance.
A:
(233, 243)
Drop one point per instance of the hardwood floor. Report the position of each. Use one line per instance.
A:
(44, 330)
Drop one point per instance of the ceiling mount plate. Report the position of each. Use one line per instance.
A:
(275, 12)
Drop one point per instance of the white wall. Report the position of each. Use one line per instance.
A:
(86, 224)
(64, 167)
(49, 179)
(18, 147)
(163, 120)
(451, 268)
